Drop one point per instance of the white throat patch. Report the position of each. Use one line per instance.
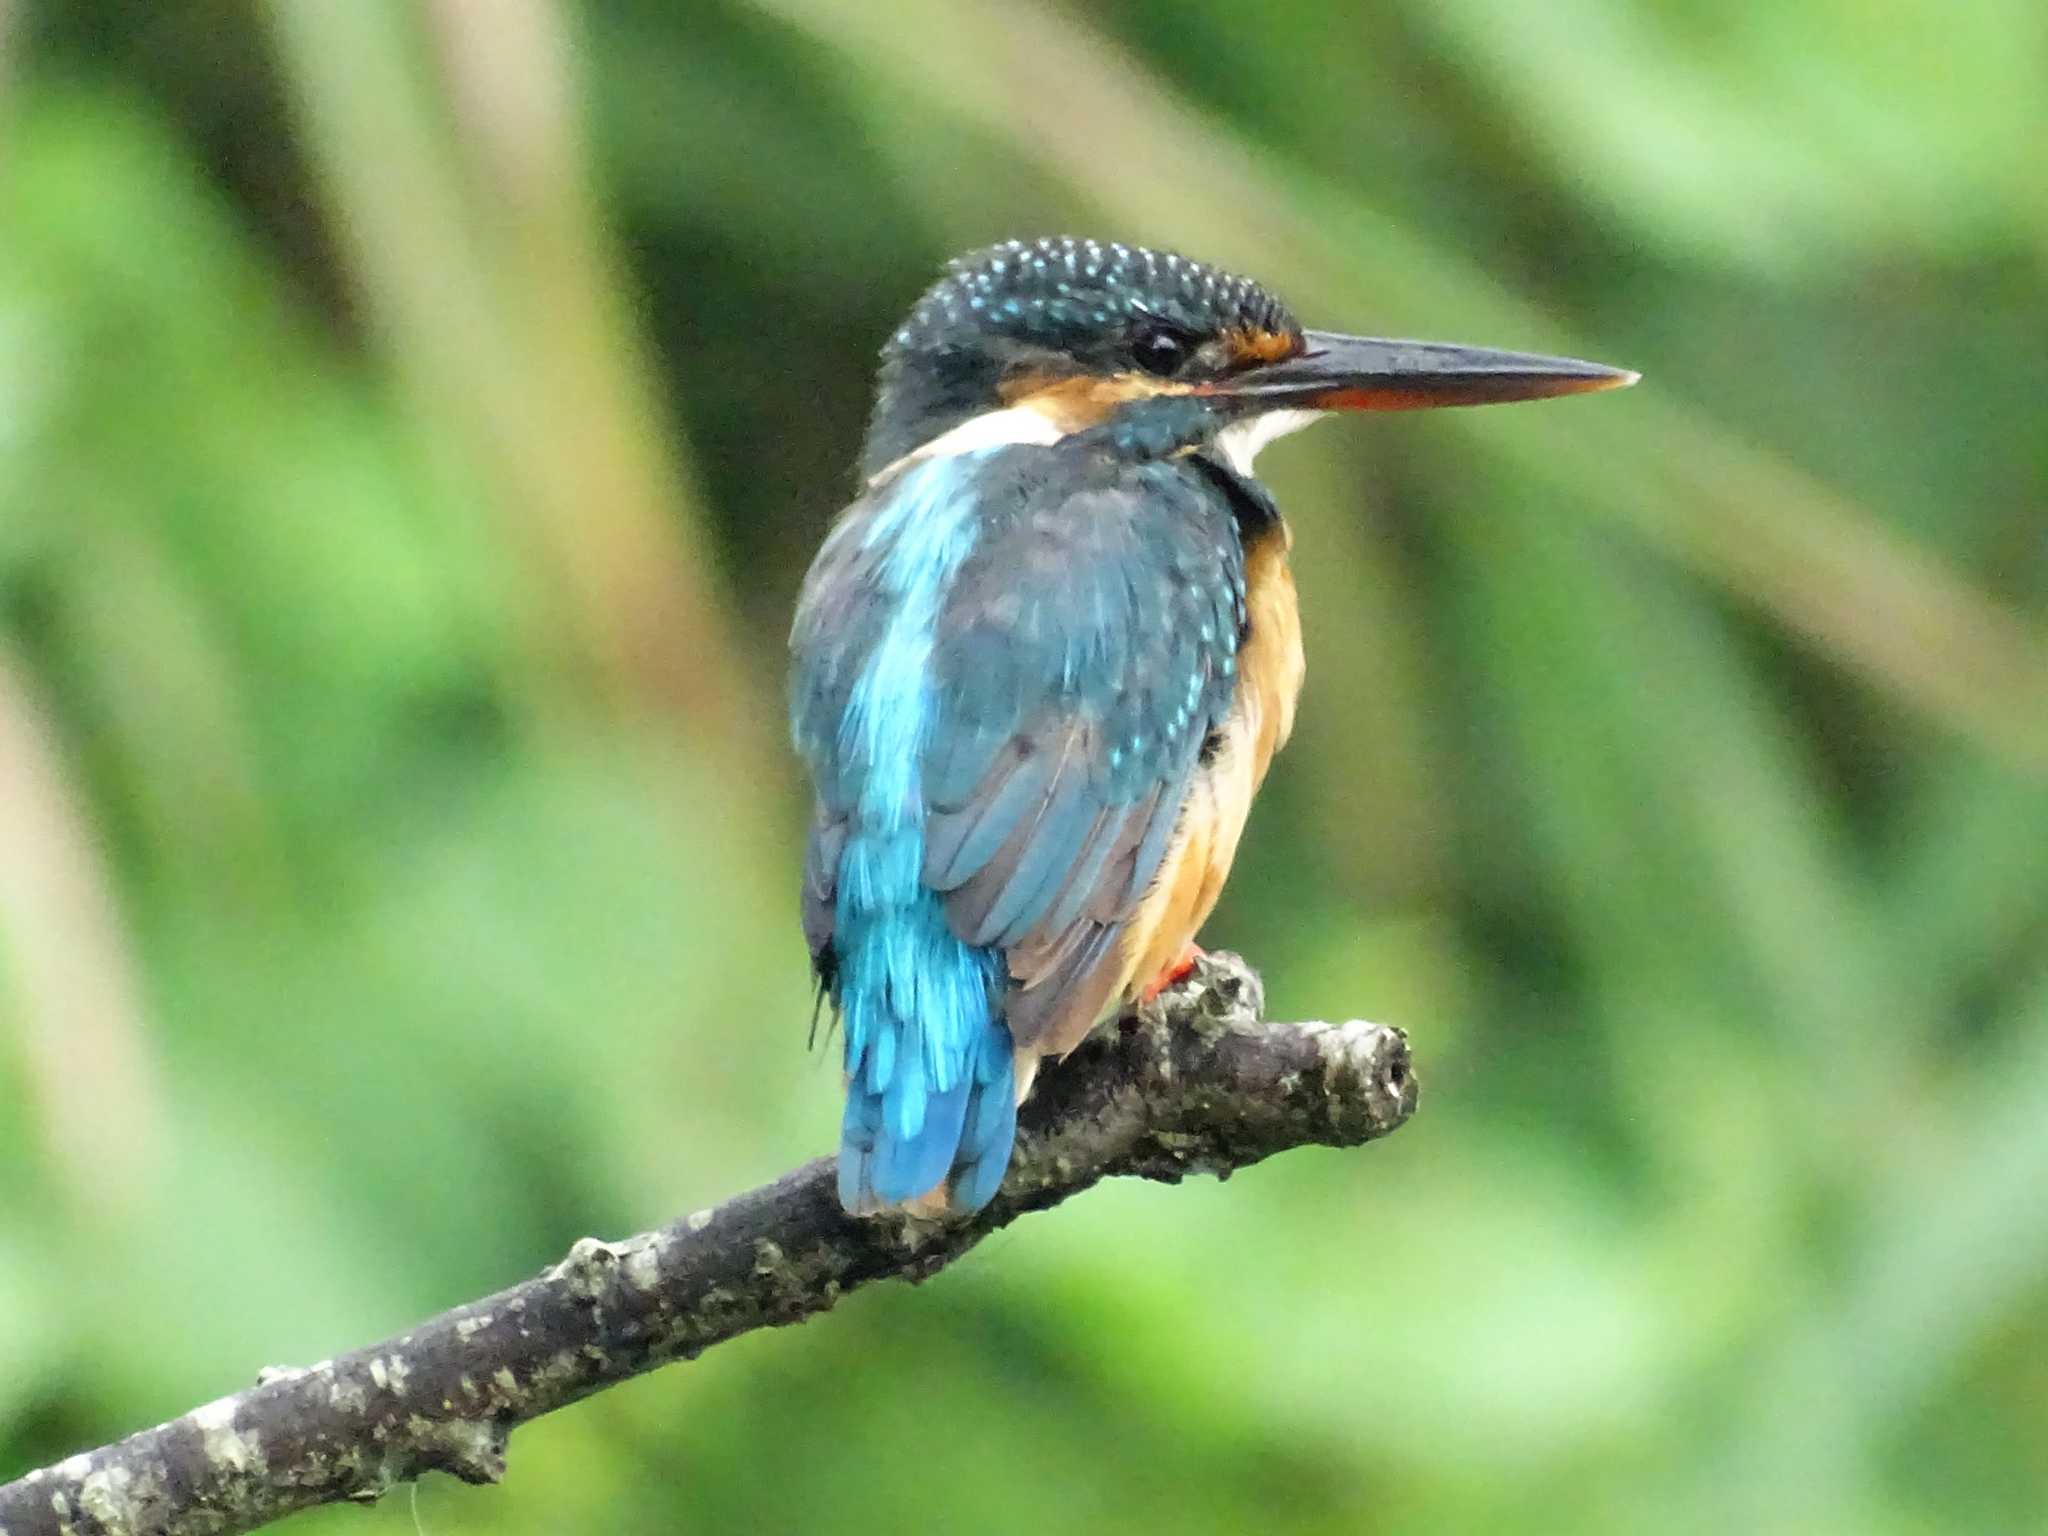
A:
(1242, 440)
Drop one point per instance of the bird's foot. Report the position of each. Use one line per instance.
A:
(1181, 965)
(1216, 994)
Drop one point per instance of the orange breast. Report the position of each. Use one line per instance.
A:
(1269, 670)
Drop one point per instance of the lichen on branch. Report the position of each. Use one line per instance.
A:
(1195, 1082)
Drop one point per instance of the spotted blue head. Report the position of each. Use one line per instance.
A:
(1084, 330)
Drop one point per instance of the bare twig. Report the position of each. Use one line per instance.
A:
(1194, 1084)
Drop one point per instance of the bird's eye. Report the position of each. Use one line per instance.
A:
(1161, 351)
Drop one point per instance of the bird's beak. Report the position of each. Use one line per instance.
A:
(1370, 373)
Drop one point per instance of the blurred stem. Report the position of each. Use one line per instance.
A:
(9, 23)
(73, 981)
(1369, 741)
(453, 163)
(1947, 1245)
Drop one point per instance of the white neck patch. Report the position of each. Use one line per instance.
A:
(1242, 440)
(991, 429)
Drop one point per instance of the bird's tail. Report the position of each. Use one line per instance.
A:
(931, 1090)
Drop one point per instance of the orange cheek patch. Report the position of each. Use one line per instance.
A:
(1077, 403)
(1251, 347)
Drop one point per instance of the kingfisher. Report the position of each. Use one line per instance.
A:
(1042, 663)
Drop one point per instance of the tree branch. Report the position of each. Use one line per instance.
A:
(1194, 1083)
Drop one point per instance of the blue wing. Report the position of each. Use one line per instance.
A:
(1007, 666)
(1086, 652)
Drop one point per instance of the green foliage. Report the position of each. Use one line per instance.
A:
(412, 434)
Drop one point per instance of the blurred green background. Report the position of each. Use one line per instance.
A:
(414, 422)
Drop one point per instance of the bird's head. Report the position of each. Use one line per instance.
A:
(1074, 334)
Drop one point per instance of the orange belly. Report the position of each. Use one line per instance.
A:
(1270, 669)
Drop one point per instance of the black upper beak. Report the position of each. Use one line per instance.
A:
(1369, 373)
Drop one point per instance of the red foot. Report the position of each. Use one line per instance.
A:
(1179, 968)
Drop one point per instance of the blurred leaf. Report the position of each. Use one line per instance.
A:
(401, 501)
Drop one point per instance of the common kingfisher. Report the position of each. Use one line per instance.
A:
(1043, 661)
